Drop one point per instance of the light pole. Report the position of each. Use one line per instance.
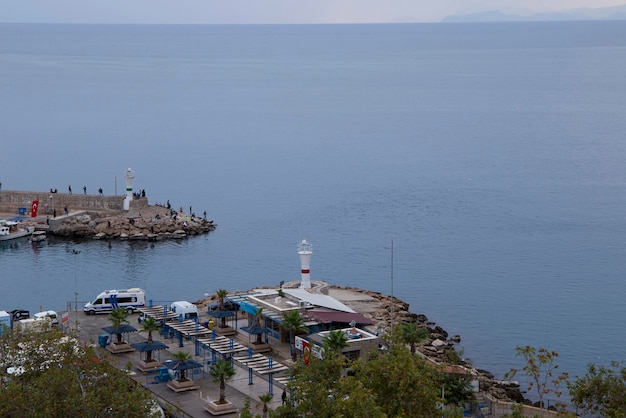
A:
(392, 301)
(75, 253)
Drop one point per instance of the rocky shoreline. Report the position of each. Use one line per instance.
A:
(440, 347)
(148, 223)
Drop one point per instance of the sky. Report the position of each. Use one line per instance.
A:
(268, 11)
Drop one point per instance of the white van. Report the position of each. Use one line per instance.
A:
(131, 299)
(32, 325)
(184, 309)
(48, 316)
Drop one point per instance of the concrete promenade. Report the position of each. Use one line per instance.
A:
(187, 403)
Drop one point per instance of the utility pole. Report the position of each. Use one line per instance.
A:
(75, 253)
(391, 313)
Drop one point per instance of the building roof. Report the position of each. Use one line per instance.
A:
(318, 299)
(342, 317)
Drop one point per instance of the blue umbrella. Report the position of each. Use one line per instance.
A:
(149, 347)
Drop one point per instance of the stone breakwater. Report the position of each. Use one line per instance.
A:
(151, 223)
(82, 215)
(439, 348)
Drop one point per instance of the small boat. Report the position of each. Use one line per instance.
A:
(11, 230)
(38, 236)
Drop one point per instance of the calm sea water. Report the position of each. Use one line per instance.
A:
(491, 154)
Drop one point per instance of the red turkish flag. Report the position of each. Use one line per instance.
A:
(306, 351)
(33, 208)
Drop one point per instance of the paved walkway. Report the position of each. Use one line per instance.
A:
(190, 403)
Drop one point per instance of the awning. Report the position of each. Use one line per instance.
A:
(221, 314)
(144, 346)
(327, 317)
(124, 329)
(255, 329)
(182, 365)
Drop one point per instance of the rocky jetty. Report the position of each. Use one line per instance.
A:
(440, 348)
(152, 223)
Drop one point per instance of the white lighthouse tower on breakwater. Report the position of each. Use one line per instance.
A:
(129, 188)
(305, 251)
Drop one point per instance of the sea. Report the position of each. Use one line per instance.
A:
(475, 171)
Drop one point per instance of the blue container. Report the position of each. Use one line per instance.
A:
(103, 340)
(21, 211)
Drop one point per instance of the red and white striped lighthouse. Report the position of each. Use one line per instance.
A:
(305, 251)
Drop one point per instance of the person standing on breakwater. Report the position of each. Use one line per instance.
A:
(69, 189)
(100, 191)
(85, 189)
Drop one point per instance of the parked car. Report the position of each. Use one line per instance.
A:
(17, 315)
(47, 315)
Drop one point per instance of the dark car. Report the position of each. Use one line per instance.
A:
(17, 314)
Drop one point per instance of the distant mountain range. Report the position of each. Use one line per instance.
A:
(584, 13)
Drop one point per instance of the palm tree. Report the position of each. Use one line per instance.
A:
(413, 334)
(182, 357)
(265, 399)
(222, 370)
(118, 318)
(258, 318)
(221, 295)
(292, 322)
(336, 341)
(150, 324)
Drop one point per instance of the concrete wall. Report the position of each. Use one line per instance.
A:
(500, 408)
(10, 201)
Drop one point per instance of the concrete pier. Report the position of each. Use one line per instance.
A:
(11, 201)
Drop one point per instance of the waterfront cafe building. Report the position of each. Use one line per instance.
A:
(321, 313)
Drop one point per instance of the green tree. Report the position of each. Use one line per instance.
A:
(413, 334)
(182, 357)
(118, 318)
(406, 385)
(258, 321)
(221, 297)
(541, 370)
(292, 322)
(601, 391)
(150, 325)
(221, 371)
(265, 399)
(245, 411)
(394, 383)
(52, 375)
(281, 293)
(335, 341)
(457, 389)
(319, 391)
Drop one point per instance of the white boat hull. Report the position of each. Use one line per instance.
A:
(18, 234)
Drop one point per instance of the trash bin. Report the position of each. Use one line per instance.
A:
(21, 211)
(211, 324)
(103, 340)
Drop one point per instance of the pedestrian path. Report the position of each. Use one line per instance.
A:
(254, 375)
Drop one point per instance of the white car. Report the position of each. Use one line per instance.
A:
(47, 315)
